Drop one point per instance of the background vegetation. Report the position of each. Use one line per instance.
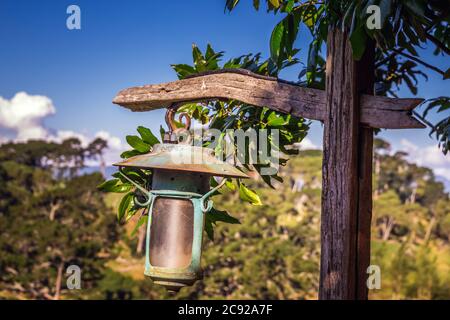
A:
(51, 218)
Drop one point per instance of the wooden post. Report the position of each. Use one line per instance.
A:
(365, 80)
(347, 174)
(339, 170)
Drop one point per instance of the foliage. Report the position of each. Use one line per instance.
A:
(405, 27)
(279, 241)
(49, 221)
(272, 254)
(222, 115)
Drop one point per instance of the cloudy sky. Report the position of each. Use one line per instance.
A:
(56, 83)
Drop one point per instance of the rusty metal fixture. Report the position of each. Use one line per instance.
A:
(177, 203)
(175, 133)
(181, 157)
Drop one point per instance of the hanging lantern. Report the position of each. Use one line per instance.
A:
(177, 202)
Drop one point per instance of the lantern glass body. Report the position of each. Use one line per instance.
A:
(172, 233)
(175, 228)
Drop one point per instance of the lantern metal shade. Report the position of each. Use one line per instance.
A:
(183, 157)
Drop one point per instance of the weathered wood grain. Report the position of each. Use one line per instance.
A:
(377, 112)
(339, 173)
(365, 80)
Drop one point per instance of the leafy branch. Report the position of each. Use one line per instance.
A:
(405, 26)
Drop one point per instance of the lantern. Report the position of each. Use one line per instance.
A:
(177, 202)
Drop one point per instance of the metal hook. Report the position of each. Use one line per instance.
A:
(206, 204)
(175, 133)
(170, 118)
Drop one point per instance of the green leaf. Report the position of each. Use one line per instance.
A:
(249, 195)
(358, 42)
(124, 205)
(131, 212)
(198, 58)
(209, 52)
(289, 6)
(416, 6)
(230, 4)
(214, 216)
(113, 186)
(275, 3)
(142, 221)
(147, 136)
(183, 70)
(138, 144)
(107, 185)
(221, 216)
(122, 188)
(275, 120)
(129, 154)
(137, 175)
(256, 4)
(162, 131)
(209, 229)
(230, 185)
(275, 41)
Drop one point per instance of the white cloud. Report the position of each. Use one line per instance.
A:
(61, 135)
(307, 144)
(24, 114)
(115, 147)
(443, 172)
(430, 156)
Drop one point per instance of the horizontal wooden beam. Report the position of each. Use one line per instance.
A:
(261, 91)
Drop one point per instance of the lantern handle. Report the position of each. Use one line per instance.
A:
(207, 204)
(170, 118)
(146, 193)
(175, 132)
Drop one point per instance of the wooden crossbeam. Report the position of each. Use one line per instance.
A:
(261, 91)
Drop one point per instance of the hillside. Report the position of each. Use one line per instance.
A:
(52, 219)
(274, 253)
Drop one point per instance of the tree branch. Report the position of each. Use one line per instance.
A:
(387, 58)
(429, 66)
(438, 43)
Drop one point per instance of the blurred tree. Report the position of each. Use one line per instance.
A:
(50, 220)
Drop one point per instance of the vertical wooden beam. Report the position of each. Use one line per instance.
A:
(347, 175)
(365, 79)
(340, 174)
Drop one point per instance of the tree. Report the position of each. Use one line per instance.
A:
(405, 27)
(95, 151)
(50, 221)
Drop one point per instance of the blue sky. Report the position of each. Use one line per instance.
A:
(128, 43)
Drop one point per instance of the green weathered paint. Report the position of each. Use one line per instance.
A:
(183, 157)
